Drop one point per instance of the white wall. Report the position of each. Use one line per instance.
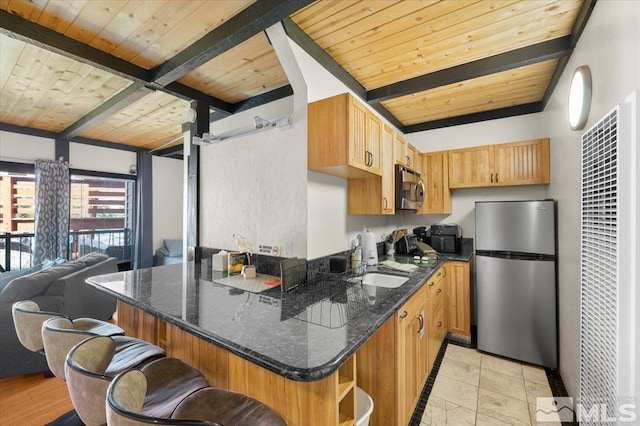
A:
(16, 147)
(609, 46)
(167, 199)
(255, 185)
(100, 159)
(19, 148)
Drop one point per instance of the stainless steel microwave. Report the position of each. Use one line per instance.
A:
(409, 189)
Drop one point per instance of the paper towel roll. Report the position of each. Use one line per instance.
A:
(369, 248)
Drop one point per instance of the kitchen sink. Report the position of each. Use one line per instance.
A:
(383, 280)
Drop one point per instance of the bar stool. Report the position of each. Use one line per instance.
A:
(92, 364)
(28, 320)
(126, 397)
(60, 334)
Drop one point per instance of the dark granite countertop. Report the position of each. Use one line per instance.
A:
(464, 254)
(305, 334)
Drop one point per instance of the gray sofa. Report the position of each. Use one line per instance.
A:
(60, 288)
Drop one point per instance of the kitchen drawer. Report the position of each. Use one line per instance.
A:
(412, 306)
(436, 299)
(437, 277)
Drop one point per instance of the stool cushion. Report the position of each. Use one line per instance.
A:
(169, 381)
(130, 353)
(228, 408)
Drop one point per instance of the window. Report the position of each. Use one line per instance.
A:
(17, 198)
(101, 216)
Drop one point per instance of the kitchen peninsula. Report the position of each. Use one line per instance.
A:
(294, 351)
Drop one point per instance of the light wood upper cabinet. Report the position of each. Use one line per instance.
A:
(471, 167)
(522, 163)
(413, 158)
(373, 143)
(375, 195)
(343, 138)
(517, 163)
(435, 176)
(388, 171)
(406, 154)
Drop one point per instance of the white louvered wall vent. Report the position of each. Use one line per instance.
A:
(599, 299)
(609, 271)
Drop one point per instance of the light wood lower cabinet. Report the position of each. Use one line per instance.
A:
(459, 297)
(437, 320)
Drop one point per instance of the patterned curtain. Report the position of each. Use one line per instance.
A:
(52, 210)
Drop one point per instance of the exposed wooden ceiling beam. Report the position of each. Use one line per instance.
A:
(118, 102)
(476, 117)
(528, 55)
(264, 98)
(576, 32)
(251, 21)
(309, 45)
(29, 32)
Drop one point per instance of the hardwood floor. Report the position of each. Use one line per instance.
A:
(32, 400)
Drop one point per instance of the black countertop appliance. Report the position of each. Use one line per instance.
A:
(445, 238)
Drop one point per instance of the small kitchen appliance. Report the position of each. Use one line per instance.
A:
(445, 238)
(409, 190)
(407, 245)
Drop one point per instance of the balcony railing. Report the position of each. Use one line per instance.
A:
(113, 242)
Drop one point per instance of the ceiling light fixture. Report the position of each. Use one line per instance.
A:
(259, 125)
(580, 97)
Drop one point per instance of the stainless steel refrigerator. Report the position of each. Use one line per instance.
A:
(516, 280)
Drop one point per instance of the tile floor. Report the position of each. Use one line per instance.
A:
(474, 388)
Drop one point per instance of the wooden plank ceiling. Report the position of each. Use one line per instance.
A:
(124, 71)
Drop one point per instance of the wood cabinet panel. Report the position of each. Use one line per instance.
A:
(471, 167)
(376, 373)
(375, 195)
(522, 163)
(388, 171)
(435, 176)
(459, 309)
(358, 154)
(373, 143)
(299, 403)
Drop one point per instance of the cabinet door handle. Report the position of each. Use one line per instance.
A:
(408, 160)
(439, 273)
(385, 203)
(439, 291)
(403, 315)
(421, 321)
(491, 177)
(497, 180)
(444, 271)
(439, 324)
(431, 284)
